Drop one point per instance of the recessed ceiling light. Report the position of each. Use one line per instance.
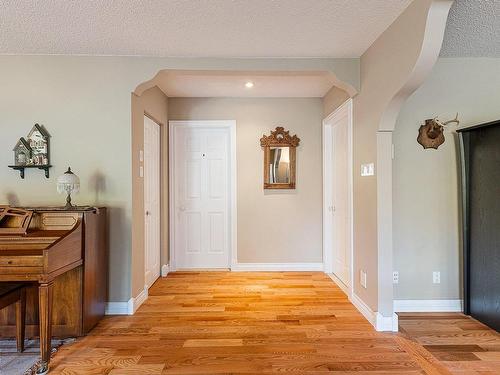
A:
(249, 85)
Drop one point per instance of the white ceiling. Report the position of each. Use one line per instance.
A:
(473, 29)
(232, 84)
(195, 28)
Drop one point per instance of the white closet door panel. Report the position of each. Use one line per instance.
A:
(340, 193)
(202, 194)
(152, 228)
(193, 169)
(193, 232)
(216, 233)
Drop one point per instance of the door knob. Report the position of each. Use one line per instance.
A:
(148, 213)
(182, 208)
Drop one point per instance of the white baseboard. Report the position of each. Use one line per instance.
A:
(139, 300)
(129, 307)
(428, 305)
(277, 267)
(364, 309)
(118, 308)
(386, 323)
(165, 269)
(377, 320)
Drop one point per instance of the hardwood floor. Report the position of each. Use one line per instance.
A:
(461, 344)
(255, 323)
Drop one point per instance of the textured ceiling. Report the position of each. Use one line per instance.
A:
(232, 84)
(473, 29)
(195, 28)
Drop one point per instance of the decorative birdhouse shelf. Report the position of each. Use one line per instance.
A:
(21, 169)
(33, 151)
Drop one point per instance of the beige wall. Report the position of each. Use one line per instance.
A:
(273, 226)
(393, 66)
(153, 103)
(85, 104)
(426, 198)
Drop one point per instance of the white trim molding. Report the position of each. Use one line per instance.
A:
(129, 307)
(277, 267)
(328, 149)
(376, 319)
(428, 305)
(386, 323)
(139, 300)
(118, 308)
(363, 308)
(165, 269)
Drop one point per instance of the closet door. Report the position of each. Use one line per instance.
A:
(201, 196)
(482, 251)
(152, 154)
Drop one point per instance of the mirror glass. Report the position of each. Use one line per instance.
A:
(279, 165)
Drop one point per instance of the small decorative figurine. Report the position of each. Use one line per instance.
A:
(38, 139)
(22, 152)
(33, 151)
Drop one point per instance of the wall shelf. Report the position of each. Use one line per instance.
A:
(21, 169)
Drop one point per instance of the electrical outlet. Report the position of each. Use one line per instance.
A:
(395, 277)
(436, 277)
(362, 278)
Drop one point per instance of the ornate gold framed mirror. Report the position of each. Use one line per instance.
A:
(279, 159)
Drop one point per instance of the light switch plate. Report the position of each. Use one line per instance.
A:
(362, 278)
(141, 171)
(141, 155)
(367, 169)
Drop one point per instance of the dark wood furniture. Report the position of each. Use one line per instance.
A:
(14, 221)
(480, 155)
(64, 257)
(15, 293)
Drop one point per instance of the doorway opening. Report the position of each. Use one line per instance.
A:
(337, 196)
(298, 99)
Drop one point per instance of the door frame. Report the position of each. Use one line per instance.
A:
(328, 196)
(213, 124)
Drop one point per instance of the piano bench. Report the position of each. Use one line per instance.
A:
(15, 293)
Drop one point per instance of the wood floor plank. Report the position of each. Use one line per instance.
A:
(459, 343)
(269, 323)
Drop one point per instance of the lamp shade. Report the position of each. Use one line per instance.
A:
(68, 183)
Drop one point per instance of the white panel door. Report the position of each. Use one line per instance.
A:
(340, 194)
(152, 156)
(201, 168)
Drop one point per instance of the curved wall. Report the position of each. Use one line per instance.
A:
(425, 183)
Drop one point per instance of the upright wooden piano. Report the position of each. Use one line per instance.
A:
(63, 258)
